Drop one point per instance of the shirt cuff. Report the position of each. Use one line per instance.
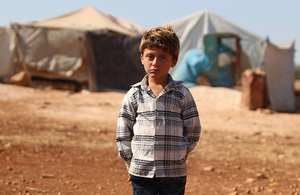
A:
(128, 164)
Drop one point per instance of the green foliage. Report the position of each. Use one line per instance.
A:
(297, 68)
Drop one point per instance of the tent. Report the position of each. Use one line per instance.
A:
(117, 63)
(192, 29)
(7, 48)
(278, 62)
(57, 48)
(86, 19)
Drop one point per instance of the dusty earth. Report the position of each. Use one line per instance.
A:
(60, 142)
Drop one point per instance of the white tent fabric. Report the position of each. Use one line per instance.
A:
(50, 53)
(56, 48)
(280, 76)
(85, 19)
(7, 48)
(192, 28)
(127, 24)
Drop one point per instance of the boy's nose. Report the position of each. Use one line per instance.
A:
(155, 62)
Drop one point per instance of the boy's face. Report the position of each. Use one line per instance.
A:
(157, 62)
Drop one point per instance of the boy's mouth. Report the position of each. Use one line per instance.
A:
(154, 70)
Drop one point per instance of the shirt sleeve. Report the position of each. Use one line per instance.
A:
(191, 122)
(124, 133)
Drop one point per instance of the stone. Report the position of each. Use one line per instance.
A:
(256, 189)
(261, 176)
(22, 78)
(250, 180)
(255, 133)
(271, 191)
(7, 145)
(209, 168)
(219, 171)
(275, 184)
(9, 168)
(268, 134)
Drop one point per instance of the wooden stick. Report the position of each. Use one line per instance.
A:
(35, 189)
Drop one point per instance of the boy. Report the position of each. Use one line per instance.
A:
(158, 124)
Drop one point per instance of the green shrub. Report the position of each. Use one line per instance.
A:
(297, 68)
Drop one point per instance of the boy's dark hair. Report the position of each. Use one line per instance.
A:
(163, 37)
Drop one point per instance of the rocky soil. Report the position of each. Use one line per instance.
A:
(60, 142)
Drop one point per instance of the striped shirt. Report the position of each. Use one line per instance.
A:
(156, 134)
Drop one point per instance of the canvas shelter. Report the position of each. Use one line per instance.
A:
(192, 29)
(278, 63)
(7, 48)
(276, 60)
(117, 60)
(86, 19)
(58, 48)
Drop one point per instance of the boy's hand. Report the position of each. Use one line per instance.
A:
(128, 177)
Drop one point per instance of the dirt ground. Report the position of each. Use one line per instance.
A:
(63, 143)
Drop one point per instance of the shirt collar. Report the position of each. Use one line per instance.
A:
(170, 86)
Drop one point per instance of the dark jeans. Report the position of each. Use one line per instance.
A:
(161, 186)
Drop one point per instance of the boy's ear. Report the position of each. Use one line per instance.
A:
(174, 62)
(142, 58)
